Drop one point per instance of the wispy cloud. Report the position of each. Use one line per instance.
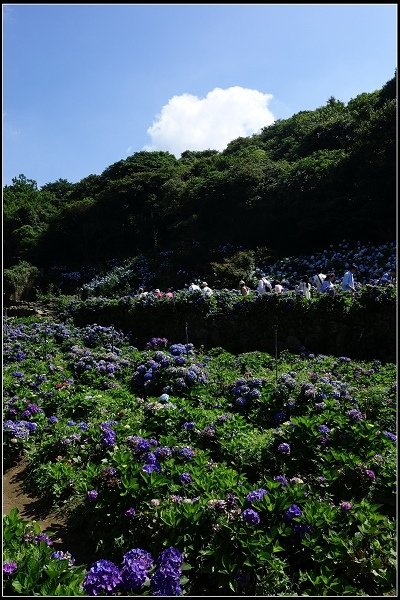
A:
(187, 122)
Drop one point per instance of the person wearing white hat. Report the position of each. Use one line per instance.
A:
(244, 290)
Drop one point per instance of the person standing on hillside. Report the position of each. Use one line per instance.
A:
(317, 280)
(305, 288)
(244, 290)
(348, 280)
(263, 285)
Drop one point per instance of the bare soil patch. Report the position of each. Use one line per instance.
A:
(33, 508)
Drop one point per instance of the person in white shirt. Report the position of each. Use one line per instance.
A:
(305, 288)
(244, 290)
(327, 284)
(193, 287)
(263, 285)
(206, 290)
(317, 280)
(348, 280)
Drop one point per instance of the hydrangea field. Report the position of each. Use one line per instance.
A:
(194, 472)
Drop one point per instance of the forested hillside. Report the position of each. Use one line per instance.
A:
(303, 183)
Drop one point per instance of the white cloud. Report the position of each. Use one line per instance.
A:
(187, 122)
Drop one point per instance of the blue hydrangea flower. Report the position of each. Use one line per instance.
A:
(256, 495)
(135, 566)
(163, 452)
(166, 579)
(60, 555)
(292, 512)
(355, 415)
(185, 478)
(188, 425)
(92, 495)
(284, 448)
(251, 516)
(166, 582)
(103, 576)
(43, 537)
(152, 468)
(323, 429)
(282, 479)
(186, 452)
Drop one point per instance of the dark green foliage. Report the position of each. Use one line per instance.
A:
(364, 327)
(19, 279)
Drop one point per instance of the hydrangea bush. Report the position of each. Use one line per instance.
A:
(295, 487)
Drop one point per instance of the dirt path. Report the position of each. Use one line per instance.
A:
(35, 509)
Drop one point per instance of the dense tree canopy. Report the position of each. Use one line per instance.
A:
(303, 182)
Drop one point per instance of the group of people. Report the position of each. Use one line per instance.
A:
(203, 288)
(320, 282)
(141, 293)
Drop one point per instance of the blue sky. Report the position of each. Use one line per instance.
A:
(85, 86)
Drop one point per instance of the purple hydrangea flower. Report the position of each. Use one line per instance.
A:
(166, 582)
(355, 415)
(185, 478)
(9, 568)
(187, 453)
(138, 444)
(370, 474)
(135, 566)
(284, 448)
(53, 419)
(163, 452)
(170, 556)
(43, 537)
(130, 513)
(390, 435)
(345, 506)
(166, 579)
(103, 576)
(60, 555)
(92, 495)
(152, 467)
(282, 479)
(292, 512)
(256, 495)
(188, 425)
(251, 516)
(323, 429)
